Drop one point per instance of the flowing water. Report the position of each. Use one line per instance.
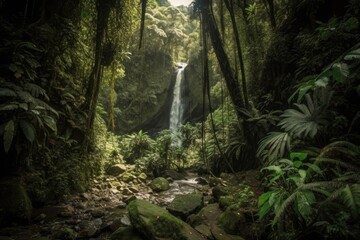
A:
(177, 107)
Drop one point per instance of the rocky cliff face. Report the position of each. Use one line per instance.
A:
(144, 96)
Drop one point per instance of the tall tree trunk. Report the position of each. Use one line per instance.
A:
(231, 82)
(230, 6)
(103, 11)
(269, 5)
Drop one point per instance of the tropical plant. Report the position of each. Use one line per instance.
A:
(24, 113)
(274, 146)
(310, 119)
(303, 190)
(136, 145)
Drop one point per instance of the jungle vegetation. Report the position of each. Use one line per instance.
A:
(280, 85)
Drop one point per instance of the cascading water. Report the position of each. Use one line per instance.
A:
(177, 105)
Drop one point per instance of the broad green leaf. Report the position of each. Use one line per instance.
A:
(302, 92)
(264, 210)
(50, 123)
(9, 133)
(263, 198)
(24, 106)
(28, 130)
(299, 155)
(322, 82)
(340, 72)
(296, 180)
(309, 196)
(355, 54)
(303, 206)
(273, 198)
(6, 92)
(314, 167)
(297, 164)
(302, 173)
(277, 169)
(351, 24)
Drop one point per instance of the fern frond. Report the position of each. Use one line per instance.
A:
(337, 162)
(280, 210)
(351, 198)
(344, 144)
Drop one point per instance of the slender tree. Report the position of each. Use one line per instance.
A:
(230, 6)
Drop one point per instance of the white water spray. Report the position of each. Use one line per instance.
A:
(177, 107)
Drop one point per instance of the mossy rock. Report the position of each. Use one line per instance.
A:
(231, 221)
(184, 205)
(65, 234)
(157, 223)
(15, 205)
(219, 191)
(194, 220)
(116, 170)
(159, 184)
(128, 233)
(240, 193)
(209, 214)
(226, 201)
(127, 177)
(219, 234)
(142, 176)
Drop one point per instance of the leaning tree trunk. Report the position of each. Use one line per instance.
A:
(232, 84)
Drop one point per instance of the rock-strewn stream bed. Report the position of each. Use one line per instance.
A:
(198, 208)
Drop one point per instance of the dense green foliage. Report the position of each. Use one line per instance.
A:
(274, 83)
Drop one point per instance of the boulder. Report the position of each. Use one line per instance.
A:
(226, 201)
(157, 223)
(205, 230)
(116, 170)
(15, 205)
(127, 177)
(128, 233)
(232, 221)
(220, 234)
(65, 234)
(89, 228)
(201, 181)
(219, 191)
(159, 184)
(184, 205)
(174, 174)
(209, 214)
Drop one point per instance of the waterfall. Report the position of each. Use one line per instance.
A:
(177, 105)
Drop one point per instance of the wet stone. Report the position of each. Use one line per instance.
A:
(89, 228)
(127, 200)
(97, 213)
(125, 220)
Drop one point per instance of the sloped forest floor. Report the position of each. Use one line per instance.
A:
(102, 209)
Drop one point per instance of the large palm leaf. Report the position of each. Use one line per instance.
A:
(273, 146)
(309, 118)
